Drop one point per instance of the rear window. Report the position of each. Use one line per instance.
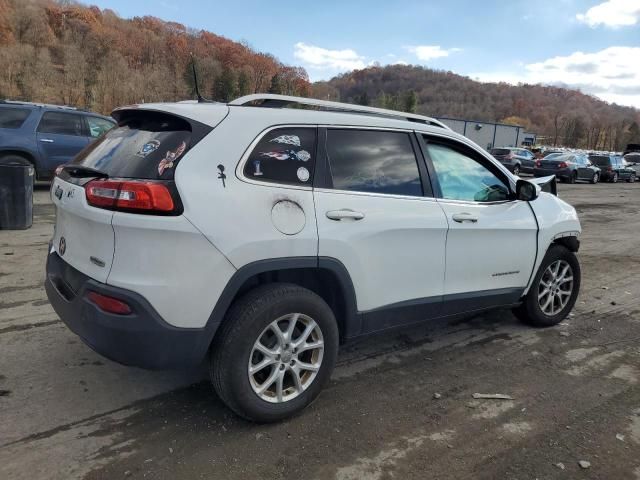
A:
(13, 117)
(500, 151)
(143, 145)
(600, 160)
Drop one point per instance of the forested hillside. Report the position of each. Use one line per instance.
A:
(566, 117)
(65, 53)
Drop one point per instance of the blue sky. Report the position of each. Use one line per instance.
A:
(589, 44)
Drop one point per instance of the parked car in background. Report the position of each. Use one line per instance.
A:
(568, 167)
(46, 136)
(517, 160)
(551, 152)
(613, 168)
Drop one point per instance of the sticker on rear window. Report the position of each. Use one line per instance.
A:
(287, 140)
(148, 148)
(169, 159)
(302, 155)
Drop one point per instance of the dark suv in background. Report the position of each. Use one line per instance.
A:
(613, 168)
(46, 135)
(568, 167)
(515, 159)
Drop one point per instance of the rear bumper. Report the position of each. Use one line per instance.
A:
(141, 339)
(545, 172)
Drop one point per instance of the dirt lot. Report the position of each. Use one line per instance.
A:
(66, 412)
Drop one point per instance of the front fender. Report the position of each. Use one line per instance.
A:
(556, 219)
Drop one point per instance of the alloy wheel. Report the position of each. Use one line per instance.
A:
(286, 358)
(555, 287)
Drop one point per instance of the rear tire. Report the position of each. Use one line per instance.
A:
(516, 170)
(573, 177)
(631, 179)
(541, 309)
(614, 179)
(249, 337)
(595, 178)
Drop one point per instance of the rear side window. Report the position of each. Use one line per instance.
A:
(98, 126)
(373, 161)
(13, 117)
(284, 155)
(145, 145)
(61, 124)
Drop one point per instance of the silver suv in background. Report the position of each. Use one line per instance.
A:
(517, 160)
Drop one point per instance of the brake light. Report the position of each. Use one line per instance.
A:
(109, 304)
(562, 165)
(510, 156)
(134, 195)
(59, 170)
(609, 168)
(538, 163)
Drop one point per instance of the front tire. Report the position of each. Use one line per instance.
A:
(595, 178)
(614, 179)
(631, 179)
(275, 352)
(516, 170)
(554, 290)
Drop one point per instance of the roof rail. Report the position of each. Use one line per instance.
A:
(280, 101)
(35, 104)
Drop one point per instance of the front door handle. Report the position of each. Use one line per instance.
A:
(344, 214)
(464, 217)
(46, 140)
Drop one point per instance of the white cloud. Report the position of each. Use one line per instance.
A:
(426, 53)
(612, 74)
(612, 13)
(322, 58)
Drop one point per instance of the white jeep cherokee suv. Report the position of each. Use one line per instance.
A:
(262, 238)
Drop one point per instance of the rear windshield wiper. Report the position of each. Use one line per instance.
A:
(80, 171)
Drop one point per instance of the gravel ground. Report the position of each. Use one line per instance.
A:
(68, 413)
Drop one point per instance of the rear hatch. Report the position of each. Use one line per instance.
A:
(130, 169)
(502, 154)
(602, 161)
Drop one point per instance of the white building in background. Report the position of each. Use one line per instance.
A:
(489, 135)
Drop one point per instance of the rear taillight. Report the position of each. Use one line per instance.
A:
(609, 168)
(509, 156)
(109, 304)
(562, 165)
(538, 163)
(59, 170)
(143, 196)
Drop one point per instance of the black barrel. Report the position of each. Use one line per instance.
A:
(16, 196)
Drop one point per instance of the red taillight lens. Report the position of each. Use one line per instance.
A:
(134, 195)
(609, 168)
(538, 163)
(109, 304)
(562, 165)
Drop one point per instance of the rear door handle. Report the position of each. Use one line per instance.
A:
(344, 214)
(464, 217)
(46, 140)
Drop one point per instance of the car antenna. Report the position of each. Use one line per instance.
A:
(200, 98)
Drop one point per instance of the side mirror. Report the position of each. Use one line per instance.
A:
(526, 191)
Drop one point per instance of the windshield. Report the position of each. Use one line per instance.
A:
(145, 145)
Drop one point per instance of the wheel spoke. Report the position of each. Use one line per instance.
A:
(307, 331)
(546, 304)
(297, 382)
(275, 328)
(292, 326)
(253, 369)
(269, 381)
(544, 292)
(308, 366)
(265, 351)
(279, 384)
(310, 346)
